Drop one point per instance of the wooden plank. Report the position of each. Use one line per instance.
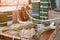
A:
(14, 13)
(54, 34)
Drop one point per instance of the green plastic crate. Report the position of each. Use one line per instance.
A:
(44, 9)
(53, 4)
(37, 17)
(44, 0)
(35, 10)
(35, 7)
(45, 14)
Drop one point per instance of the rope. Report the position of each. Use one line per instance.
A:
(42, 20)
(39, 19)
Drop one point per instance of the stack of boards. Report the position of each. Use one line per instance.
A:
(4, 17)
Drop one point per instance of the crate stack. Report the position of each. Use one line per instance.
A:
(40, 9)
(35, 8)
(44, 8)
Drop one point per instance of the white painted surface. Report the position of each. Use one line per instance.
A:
(7, 8)
(9, 2)
(10, 8)
(14, 2)
(35, 0)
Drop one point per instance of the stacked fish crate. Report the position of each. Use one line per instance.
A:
(35, 9)
(44, 8)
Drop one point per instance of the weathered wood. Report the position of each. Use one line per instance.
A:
(50, 34)
(6, 38)
(45, 35)
(54, 34)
